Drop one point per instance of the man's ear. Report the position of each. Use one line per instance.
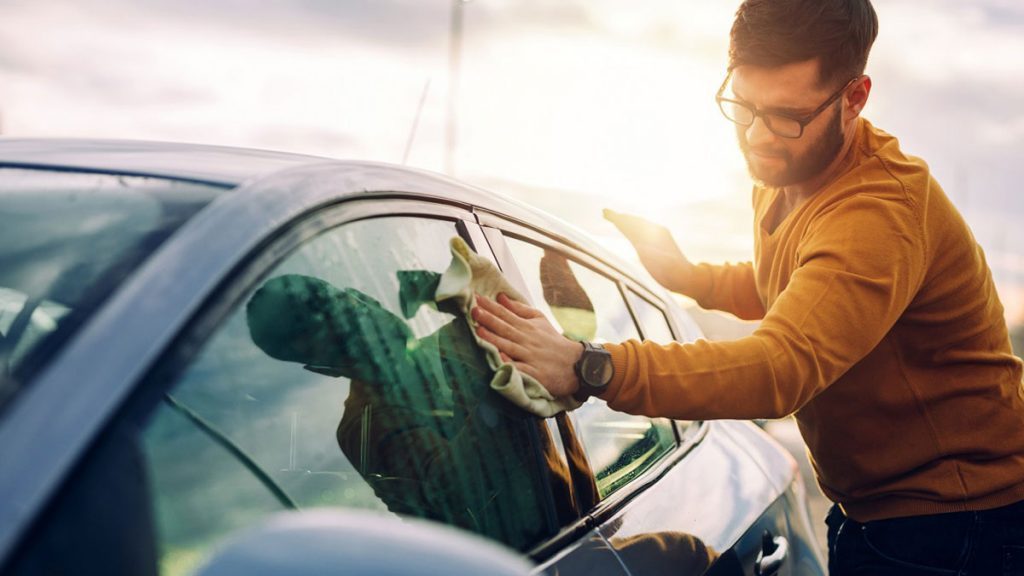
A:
(857, 97)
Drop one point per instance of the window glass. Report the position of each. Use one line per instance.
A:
(656, 328)
(652, 319)
(68, 240)
(392, 411)
(586, 305)
(556, 286)
(338, 381)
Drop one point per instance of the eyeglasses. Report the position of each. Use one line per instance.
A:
(781, 124)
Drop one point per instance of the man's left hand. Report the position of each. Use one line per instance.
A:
(525, 337)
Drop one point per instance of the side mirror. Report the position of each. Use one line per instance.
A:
(356, 543)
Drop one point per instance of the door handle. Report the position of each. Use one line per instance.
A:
(774, 551)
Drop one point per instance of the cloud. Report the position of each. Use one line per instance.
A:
(952, 41)
(402, 23)
(947, 82)
(594, 95)
(1004, 133)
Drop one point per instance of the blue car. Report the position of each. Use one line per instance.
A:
(195, 341)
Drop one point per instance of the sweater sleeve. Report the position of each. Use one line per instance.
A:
(727, 287)
(858, 267)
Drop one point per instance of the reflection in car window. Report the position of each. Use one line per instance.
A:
(67, 240)
(556, 287)
(392, 412)
(335, 381)
(586, 305)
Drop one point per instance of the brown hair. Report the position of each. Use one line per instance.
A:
(772, 33)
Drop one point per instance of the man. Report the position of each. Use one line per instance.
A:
(880, 325)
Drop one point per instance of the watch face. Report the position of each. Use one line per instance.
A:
(597, 369)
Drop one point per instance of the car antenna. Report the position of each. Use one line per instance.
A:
(416, 122)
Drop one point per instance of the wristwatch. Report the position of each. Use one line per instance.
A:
(594, 371)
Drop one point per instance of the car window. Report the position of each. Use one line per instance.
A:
(337, 381)
(67, 240)
(587, 305)
(656, 328)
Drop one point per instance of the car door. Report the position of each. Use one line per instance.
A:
(683, 505)
(321, 375)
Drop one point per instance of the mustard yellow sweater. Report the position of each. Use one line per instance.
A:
(881, 330)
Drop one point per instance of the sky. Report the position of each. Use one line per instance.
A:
(573, 105)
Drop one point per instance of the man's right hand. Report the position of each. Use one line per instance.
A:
(657, 250)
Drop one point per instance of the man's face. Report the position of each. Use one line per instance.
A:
(792, 89)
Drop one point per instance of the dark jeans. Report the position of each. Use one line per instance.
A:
(986, 543)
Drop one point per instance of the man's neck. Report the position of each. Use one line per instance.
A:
(796, 193)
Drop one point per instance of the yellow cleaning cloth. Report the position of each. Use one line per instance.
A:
(470, 274)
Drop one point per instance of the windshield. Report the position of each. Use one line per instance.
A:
(67, 240)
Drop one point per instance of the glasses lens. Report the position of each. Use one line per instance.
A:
(736, 112)
(785, 127)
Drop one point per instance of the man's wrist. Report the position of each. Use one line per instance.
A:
(685, 278)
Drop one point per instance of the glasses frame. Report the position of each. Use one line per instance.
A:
(756, 113)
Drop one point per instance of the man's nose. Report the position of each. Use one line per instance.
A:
(758, 134)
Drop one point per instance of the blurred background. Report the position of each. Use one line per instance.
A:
(570, 105)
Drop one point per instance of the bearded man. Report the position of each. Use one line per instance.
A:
(881, 329)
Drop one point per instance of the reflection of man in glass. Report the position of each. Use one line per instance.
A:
(420, 423)
(674, 553)
(567, 300)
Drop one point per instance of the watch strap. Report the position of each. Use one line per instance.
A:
(587, 389)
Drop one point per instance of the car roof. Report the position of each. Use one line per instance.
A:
(220, 165)
(230, 167)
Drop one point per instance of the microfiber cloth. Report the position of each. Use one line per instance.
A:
(470, 274)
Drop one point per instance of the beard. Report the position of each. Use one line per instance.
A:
(802, 168)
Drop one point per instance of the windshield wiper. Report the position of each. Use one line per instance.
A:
(236, 451)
